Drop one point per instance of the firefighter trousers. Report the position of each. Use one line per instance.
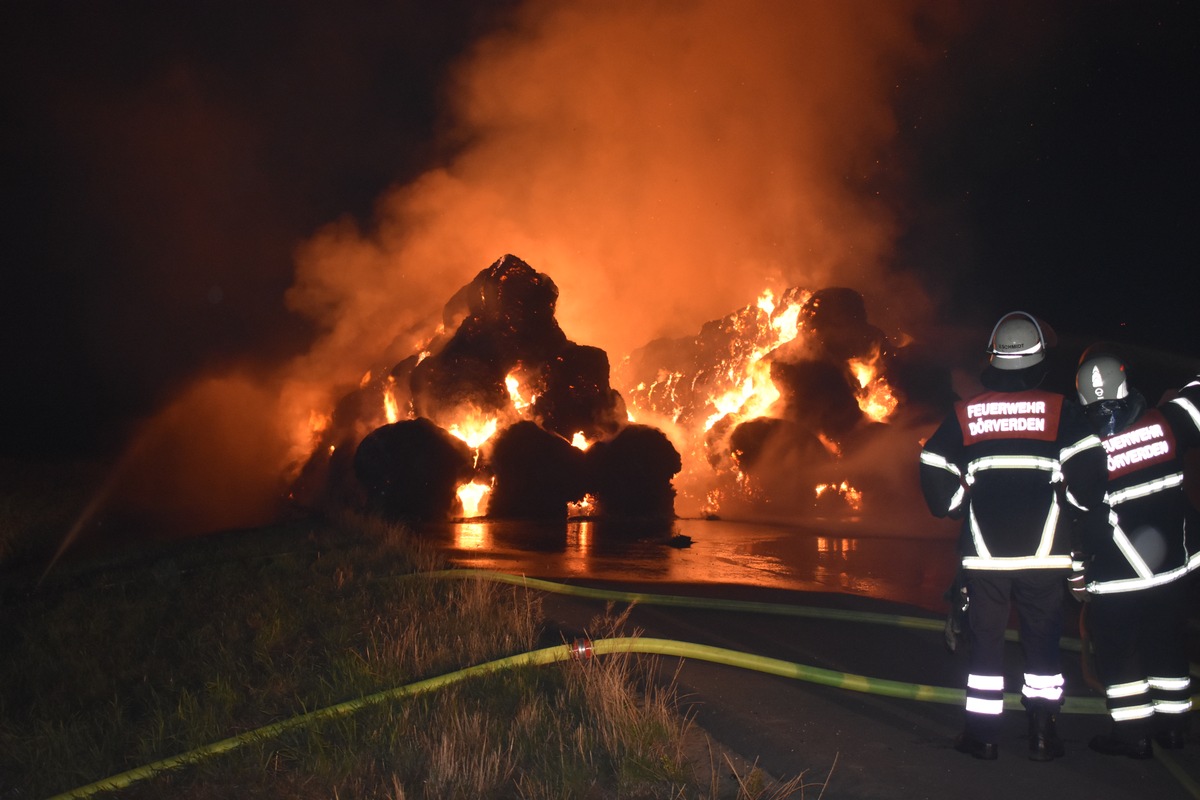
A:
(1037, 596)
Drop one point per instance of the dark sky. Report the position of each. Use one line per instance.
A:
(162, 162)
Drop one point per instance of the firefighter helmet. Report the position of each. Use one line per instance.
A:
(1101, 378)
(1017, 342)
(1109, 402)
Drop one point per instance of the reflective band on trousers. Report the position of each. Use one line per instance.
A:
(1126, 713)
(1171, 684)
(977, 705)
(1043, 687)
(1130, 689)
(986, 683)
(1172, 706)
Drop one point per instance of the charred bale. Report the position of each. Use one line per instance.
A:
(776, 456)
(536, 473)
(515, 304)
(577, 397)
(837, 320)
(502, 318)
(411, 470)
(467, 374)
(630, 474)
(818, 394)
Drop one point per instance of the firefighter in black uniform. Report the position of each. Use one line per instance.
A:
(1016, 464)
(1136, 563)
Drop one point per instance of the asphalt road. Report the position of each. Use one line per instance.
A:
(858, 745)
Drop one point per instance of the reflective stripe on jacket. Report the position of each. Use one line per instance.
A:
(1016, 467)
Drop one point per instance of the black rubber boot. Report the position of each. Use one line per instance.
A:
(976, 748)
(1109, 745)
(1173, 734)
(1044, 744)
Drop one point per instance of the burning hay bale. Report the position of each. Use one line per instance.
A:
(778, 454)
(502, 363)
(502, 319)
(809, 359)
(411, 470)
(630, 474)
(780, 392)
(536, 473)
(818, 395)
(578, 397)
(837, 320)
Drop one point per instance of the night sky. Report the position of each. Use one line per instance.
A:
(165, 163)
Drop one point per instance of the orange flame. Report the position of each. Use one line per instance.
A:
(583, 508)
(474, 430)
(473, 498)
(750, 391)
(874, 395)
(391, 409)
(852, 496)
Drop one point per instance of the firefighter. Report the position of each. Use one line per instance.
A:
(1135, 565)
(1007, 462)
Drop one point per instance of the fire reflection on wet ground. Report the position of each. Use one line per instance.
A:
(841, 557)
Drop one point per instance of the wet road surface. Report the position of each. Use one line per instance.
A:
(863, 745)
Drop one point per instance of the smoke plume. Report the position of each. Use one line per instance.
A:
(662, 162)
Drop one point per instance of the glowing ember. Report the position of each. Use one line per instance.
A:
(579, 441)
(473, 498)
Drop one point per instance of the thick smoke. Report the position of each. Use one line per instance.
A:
(656, 159)
(664, 162)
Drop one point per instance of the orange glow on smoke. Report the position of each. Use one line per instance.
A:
(317, 423)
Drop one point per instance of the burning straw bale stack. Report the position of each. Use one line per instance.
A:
(501, 328)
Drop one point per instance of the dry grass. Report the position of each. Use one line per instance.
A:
(110, 666)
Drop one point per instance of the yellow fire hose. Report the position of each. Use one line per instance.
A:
(584, 649)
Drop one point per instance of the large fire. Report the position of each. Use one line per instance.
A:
(749, 390)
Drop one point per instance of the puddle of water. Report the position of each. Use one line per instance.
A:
(841, 557)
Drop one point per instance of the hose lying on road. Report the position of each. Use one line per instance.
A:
(583, 649)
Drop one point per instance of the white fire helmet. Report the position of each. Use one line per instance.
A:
(1101, 378)
(1017, 342)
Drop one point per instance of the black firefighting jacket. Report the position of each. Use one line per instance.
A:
(1018, 467)
(1147, 542)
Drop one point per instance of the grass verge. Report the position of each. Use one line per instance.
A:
(110, 665)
